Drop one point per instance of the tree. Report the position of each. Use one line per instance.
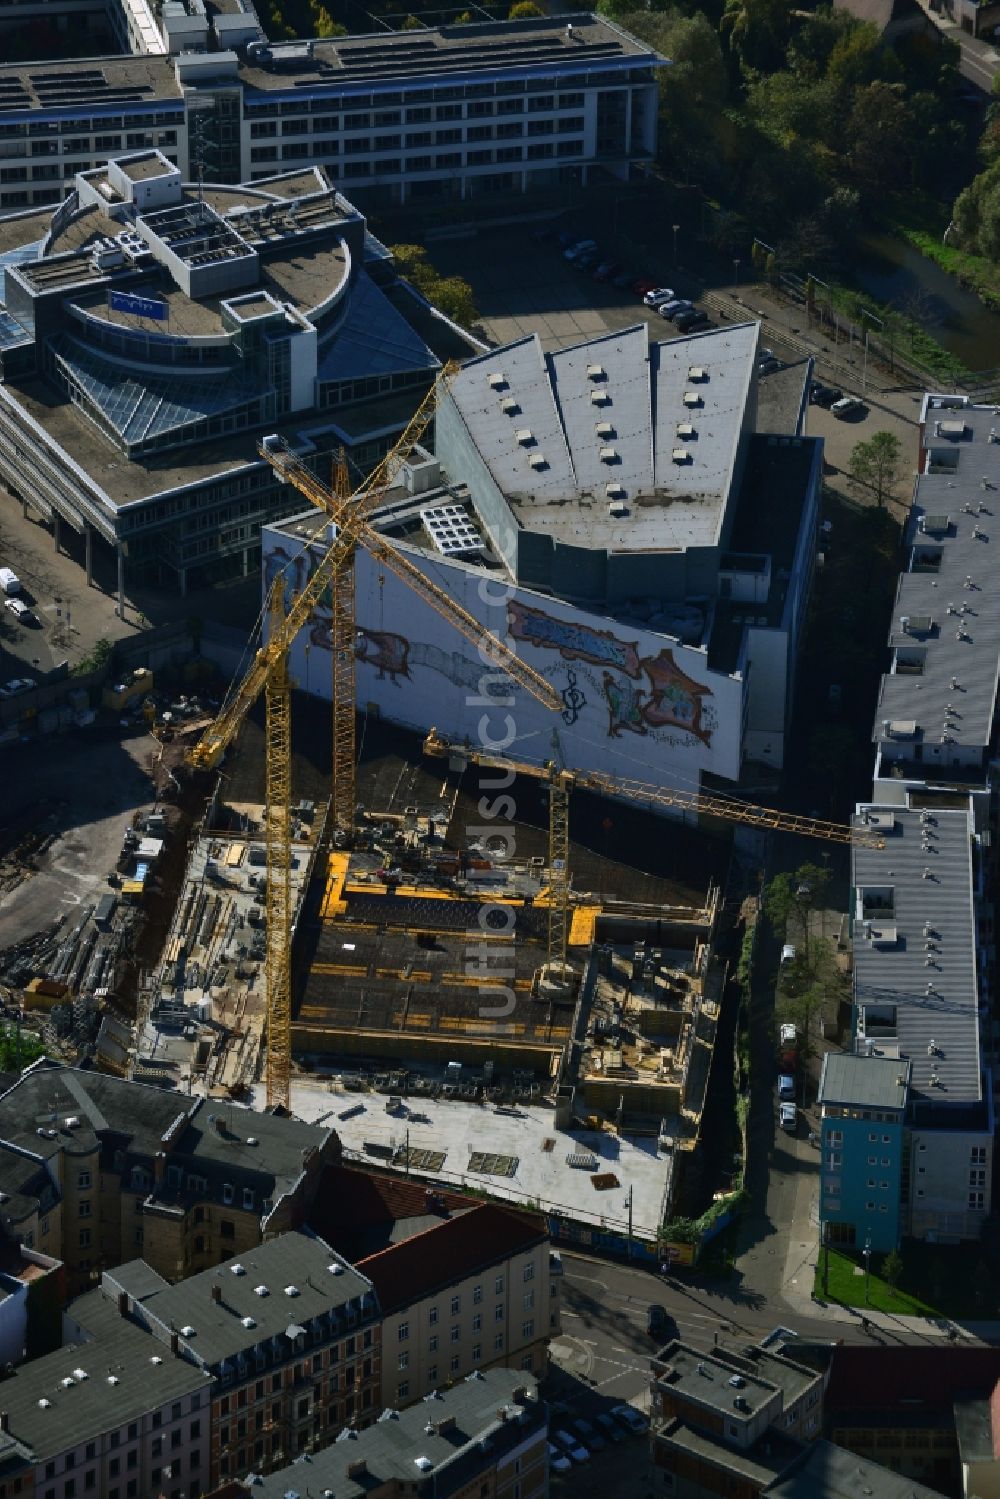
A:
(523, 10)
(892, 1268)
(757, 31)
(324, 23)
(876, 465)
(790, 899)
(412, 24)
(450, 294)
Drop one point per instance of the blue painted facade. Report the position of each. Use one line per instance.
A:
(862, 1167)
(863, 1145)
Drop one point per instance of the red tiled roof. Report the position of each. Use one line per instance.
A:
(883, 1380)
(451, 1251)
(348, 1201)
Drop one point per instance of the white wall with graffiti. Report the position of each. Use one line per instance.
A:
(635, 703)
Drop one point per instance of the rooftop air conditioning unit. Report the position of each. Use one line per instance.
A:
(609, 455)
(538, 460)
(596, 372)
(692, 398)
(509, 406)
(685, 429)
(697, 372)
(600, 398)
(604, 429)
(524, 436)
(497, 380)
(681, 455)
(615, 491)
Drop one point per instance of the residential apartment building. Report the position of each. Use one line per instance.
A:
(109, 1414)
(917, 1020)
(96, 1168)
(729, 1421)
(924, 1039)
(287, 1339)
(926, 1413)
(164, 1392)
(862, 1104)
(462, 1284)
(483, 1439)
(455, 112)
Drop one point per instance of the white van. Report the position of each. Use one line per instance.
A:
(9, 581)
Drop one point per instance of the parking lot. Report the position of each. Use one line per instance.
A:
(523, 286)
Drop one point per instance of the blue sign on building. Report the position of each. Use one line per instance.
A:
(126, 301)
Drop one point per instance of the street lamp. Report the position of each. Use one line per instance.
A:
(675, 227)
(867, 1251)
(864, 369)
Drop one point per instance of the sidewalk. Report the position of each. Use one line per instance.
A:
(799, 1275)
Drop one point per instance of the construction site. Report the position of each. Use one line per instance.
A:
(427, 1008)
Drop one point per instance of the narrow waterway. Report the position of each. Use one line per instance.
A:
(894, 272)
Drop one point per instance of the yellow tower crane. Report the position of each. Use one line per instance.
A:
(561, 783)
(269, 673)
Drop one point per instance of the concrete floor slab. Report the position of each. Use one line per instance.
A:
(542, 1175)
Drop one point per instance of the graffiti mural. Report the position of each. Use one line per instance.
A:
(573, 641)
(672, 699)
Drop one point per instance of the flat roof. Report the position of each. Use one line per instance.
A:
(768, 1458)
(303, 1277)
(82, 85)
(141, 168)
(120, 1383)
(830, 1472)
(661, 420)
(709, 1381)
(495, 1410)
(783, 399)
(954, 623)
(919, 976)
(432, 52)
(864, 1082)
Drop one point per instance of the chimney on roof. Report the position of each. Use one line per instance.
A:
(175, 1341)
(217, 1294)
(4, 1421)
(159, 1164)
(502, 1414)
(123, 1303)
(520, 1395)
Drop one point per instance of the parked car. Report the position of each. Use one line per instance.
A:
(694, 317)
(610, 1427)
(633, 1420)
(786, 1087)
(769, 366)
(10, 583)
(788, 1048)
(607, 269)
(848, 406)
(580, 248)
(659, 294)
(20, 611)
(787, 1034)
(558, 1461)
(571, 1446)
(824, 395)
(788, 953)
(670, 309)
(16, 685)
(659, 1323)
(788, 1117)
(589, 1436)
